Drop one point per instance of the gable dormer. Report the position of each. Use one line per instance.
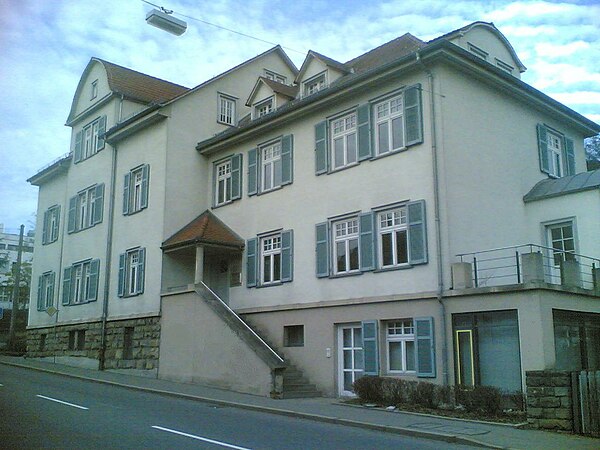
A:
(268, 95)
(485, 41)
(317, 73)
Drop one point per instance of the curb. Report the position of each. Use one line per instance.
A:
(450, 438)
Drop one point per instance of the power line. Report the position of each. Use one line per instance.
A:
(223, 28)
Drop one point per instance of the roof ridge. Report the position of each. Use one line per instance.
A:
(103, 61)
(406, 35)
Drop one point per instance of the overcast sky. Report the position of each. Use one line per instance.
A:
(46, 44)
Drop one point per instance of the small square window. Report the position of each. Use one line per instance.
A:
(293, 336)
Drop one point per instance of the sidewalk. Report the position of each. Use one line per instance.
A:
(330, 410)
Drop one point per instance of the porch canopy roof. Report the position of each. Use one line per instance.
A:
(204, 229)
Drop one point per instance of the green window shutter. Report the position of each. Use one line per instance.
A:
(253, 172)
(322, 249)
(542, 138)
(78, 145)
(236, 177)
(251, 262)
(363, 119)
(45, 230)
(570, 156)
(40, 300)
(287, 255)
(425, 347)
(370, 337)
(367, 241)
(93, 288)
(72, 226)
(417, 232)
(121, 286)
(126, 193)
(101, 131)
(98, 204)
(321, 154)
(50, 301)
(145, 185)
(287, 159)
(66, 286)
(413, 120)
(54, 232)
(141, 270)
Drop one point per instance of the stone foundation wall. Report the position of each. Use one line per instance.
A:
(144, 340)
(549, 401)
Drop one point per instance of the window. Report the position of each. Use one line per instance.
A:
(135, 189)
(131, 272)
(275, 76)
(80, 282)
(85, 209)
(226, 110)
(90, 140)
(51, 224)
(478, 52)
(269, 259)
(396, 123)
(263, 108)
(94, 90)
(577, 340)
(270, 165)
(393, 238)
(128, 342)
(345, 246)
(293, 336)
(5, 294)
(76, 339)
(223, 189)
(314, 84)
(562, 240)
(556, 152)
(42, 344)
(227, 175)
(343, 141)
(45, 296)
(400, 338)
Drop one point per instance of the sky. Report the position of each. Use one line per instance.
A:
(46, 44)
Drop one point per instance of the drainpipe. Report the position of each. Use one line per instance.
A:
(436, 206)
(111, 213)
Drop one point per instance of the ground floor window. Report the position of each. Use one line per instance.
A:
(400, 339)
(128, 342)
(293, 336)
(76, 339)
(576, 340)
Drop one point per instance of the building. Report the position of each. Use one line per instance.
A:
(417, 211)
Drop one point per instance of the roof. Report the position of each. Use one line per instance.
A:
(390, 51)
(56, 167)
(204, 229)
(556, 187)
(325, 59)
(275, 86)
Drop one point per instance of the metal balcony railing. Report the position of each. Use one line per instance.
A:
(504, 265)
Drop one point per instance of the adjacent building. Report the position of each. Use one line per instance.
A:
(418, 211)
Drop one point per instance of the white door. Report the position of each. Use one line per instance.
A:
(562, 241)
(350, 357)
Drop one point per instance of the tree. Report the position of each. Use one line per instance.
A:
(24, 284)
(592, 148)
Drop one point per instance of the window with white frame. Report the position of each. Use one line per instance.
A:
(270, 166)
(314, 84)
(86, 208)
(135, 189)
(51, 224)
(263, 108)
(275, 76)
(345, 246)
(223, 183)
(90, 139)
(80, 282)
(343, 141)
(561, 238)
(389, 125)
(270, 259)
(226, 109)
(400, 339)
(393, 238)
(132, 265)
(45, 297)
(555, 153)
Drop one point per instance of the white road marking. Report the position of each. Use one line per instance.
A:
(60, 401)
(223, 444)
(1, 385)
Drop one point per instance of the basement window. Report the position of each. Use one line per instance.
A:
(293, 336)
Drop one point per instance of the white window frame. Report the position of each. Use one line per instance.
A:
(270, 250)
(85, 208)
(90, 139)
(556, 150)
(314, 84)
(81, 278)
(52, 225)
(564, 245)
(223, 182)
(387, 112)
(137, 179)
(264, 107)
(270, 166)
(47, 289)
(401, 331)
(392, 222)
(345, 231)
(227, 106)
(133, 272)
(344, 130)
(270, 75)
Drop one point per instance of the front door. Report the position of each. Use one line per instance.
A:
(350, 357)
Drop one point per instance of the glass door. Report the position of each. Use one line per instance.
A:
(350, 359)
(465, 364)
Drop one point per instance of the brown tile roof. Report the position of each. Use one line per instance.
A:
(332, 62)
(204, 229)
(139, 86)
(395, 49)
(280, 88)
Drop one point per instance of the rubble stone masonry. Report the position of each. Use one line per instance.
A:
(549, 401)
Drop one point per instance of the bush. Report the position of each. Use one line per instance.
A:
(368, 389)
(486, 399)
(396, 391)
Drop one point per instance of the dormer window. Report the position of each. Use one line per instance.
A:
(478, 52)
(263, 108)
(270, 75)
(226, 112)
(94, 90)
(314, 84)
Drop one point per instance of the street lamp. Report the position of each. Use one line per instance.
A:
(165, 21)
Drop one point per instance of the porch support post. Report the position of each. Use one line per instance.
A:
(533, 267)
(199, 272)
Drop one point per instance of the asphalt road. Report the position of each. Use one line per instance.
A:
(41, 410)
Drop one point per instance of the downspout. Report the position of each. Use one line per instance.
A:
(111, 208)
(436, 206)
